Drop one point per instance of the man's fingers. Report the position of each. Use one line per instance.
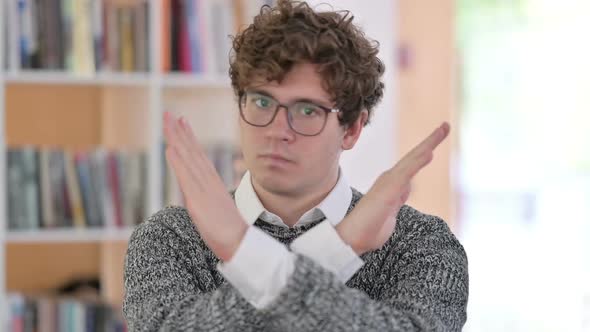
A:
(171, 132)
(430, 142)
(203, 164)
(189, 137)
(435, 138)
(180, 136)
(422, 154)
(189, 151)
(180, 171)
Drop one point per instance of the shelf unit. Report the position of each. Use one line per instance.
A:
(3, 207)
(68, 235)
(129, 109)
(116, 79)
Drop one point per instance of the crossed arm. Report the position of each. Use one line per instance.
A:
(311, 296)
(172, 284)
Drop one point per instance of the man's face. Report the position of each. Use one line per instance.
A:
(282, 161)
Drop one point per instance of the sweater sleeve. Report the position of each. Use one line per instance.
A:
(170, 285)
(261, 266)
(428, 291)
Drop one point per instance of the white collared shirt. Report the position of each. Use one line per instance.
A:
(262, 265)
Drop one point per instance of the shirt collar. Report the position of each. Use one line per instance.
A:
(333, 207)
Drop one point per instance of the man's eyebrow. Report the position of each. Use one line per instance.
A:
(302, 100)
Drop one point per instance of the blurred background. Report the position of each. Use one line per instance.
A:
(83, 84)
(523, 163)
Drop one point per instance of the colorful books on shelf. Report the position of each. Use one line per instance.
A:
(228, 162)
(5, 37)
(50, 188)
(48, 313)
(79, 36)
(196, 33)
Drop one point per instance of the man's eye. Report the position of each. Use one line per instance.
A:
(262, 102)
(309, 110)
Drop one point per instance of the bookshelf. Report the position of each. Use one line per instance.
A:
(60, 78)
(86, 108)
(3, 207)
(116, 109)
(68, 236)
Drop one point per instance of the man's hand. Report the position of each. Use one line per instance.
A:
(371, 223)
(210, 206)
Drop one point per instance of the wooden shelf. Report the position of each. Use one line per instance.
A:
(187, 80)
(68, 235)
(195, 80)
(68, 78)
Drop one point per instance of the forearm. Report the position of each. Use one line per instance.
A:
(262, 266)
(171, 282)
(314, 300)
(420, 284)
(311, 296)
(220, 310)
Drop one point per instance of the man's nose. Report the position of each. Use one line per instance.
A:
(279, 128)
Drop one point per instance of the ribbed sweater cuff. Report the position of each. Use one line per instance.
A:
(307, 295)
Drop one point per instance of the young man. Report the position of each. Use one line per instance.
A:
(295, 248)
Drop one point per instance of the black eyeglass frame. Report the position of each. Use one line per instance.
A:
(328, 110)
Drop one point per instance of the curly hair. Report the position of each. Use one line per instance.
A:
(291, 32)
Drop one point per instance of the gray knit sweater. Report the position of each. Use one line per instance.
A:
(417, 281)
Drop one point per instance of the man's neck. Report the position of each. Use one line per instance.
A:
(291, 208)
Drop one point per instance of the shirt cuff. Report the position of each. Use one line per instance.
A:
(323, 244)
(260, 267)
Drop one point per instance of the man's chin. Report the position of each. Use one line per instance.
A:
(273, 182)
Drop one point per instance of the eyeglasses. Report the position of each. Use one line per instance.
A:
(305, 118)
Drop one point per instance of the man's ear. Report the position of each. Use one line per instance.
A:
(353, 131)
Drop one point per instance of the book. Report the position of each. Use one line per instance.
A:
(73, 187)
(82, 38)
(78, 36)
(50, 313)
(50, 188)
(88, 190)
(196, 35)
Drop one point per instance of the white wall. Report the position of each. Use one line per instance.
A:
(376, 150)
